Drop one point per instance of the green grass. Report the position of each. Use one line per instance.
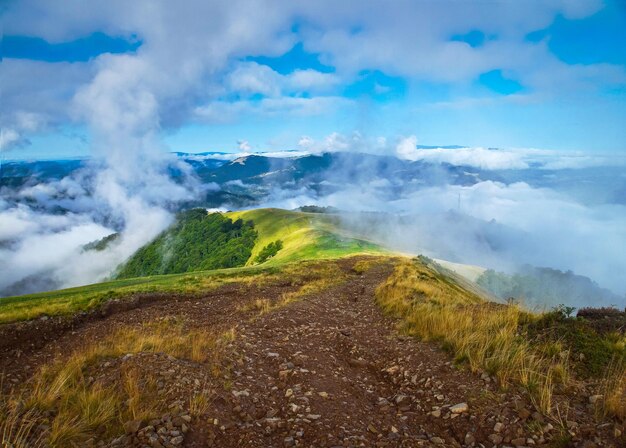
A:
(84, 298)
(305, 236)
(593, 348)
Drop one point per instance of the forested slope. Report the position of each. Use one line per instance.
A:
(198, 241)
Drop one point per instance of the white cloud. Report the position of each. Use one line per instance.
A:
(504, 159)
(338, 142)
(406, 148)
(559, 232)
(252, 78)
(244, 145)
(311, 81)
(488, 159)
(305, 142)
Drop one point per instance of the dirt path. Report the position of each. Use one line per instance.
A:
(330, 370)
(327, 370)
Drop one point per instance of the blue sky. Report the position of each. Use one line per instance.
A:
(538, 75)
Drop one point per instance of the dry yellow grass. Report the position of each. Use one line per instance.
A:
(82, 408)
(317, 278)
(483, 334)
(17, 427)
(200, 403)
(362, 266)
(309, 277)
(260, 306)
(614, 390)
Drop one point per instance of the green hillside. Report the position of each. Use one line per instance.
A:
(303, 235)
(83, 298)
(201, 241)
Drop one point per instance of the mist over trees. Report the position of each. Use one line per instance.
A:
(197, 241)
(547, 287)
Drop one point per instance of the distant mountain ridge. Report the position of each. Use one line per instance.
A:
(250, 178)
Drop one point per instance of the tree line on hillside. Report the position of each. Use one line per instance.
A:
(546, 286)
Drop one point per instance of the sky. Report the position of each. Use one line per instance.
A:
(270, 75)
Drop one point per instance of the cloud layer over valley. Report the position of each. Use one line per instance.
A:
(485, 212)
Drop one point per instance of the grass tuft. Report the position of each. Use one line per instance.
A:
(17, 428)
(614, 389)
(310, 277)
(200, 404)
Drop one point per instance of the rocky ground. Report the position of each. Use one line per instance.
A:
(327, 370)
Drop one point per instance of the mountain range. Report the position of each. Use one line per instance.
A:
(249, 179)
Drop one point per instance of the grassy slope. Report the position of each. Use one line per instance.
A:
(73, 300)
(539, 351)
(306, 236)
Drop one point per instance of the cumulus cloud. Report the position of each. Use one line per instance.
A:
(407, 148)
(192, 56)
(252, 78)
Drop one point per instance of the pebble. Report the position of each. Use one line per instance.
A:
(459, 408)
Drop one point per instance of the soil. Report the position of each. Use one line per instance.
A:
(327, 370)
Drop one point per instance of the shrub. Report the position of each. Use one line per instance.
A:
(269, 251)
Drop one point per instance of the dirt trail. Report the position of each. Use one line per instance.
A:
(327, 370)
(330, 370)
